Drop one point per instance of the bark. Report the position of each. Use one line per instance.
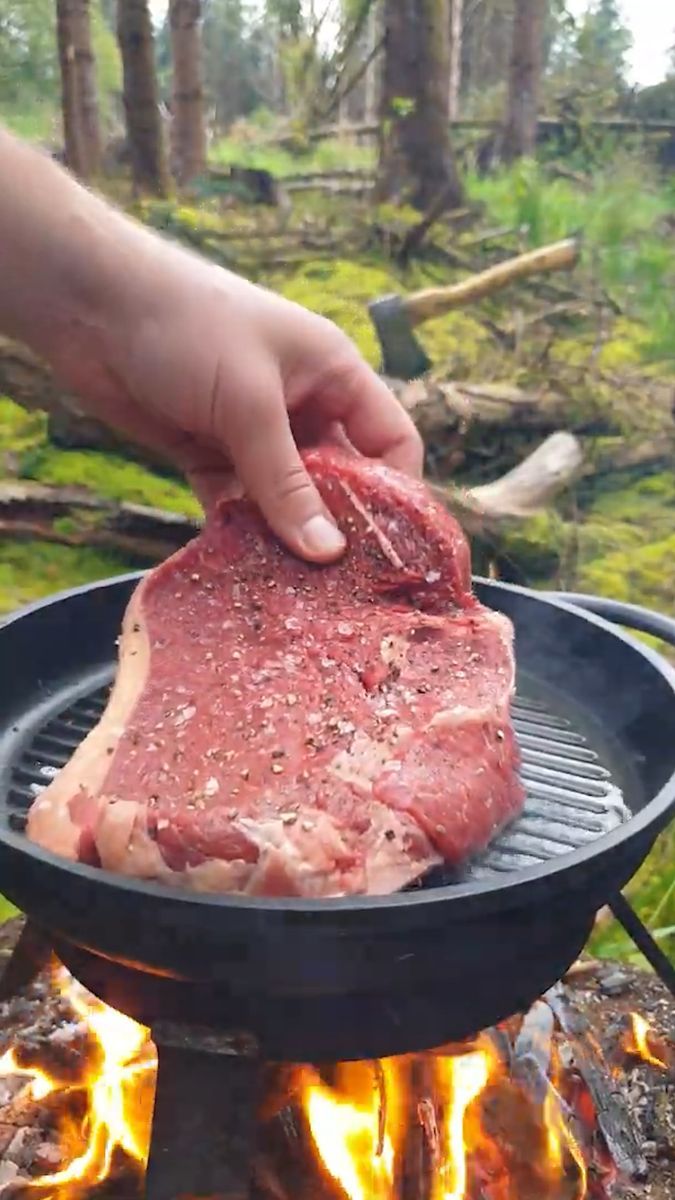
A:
(79, 94)
(141, 97)
(373, 75)
(524, 85)
(87, 87)
(188, 126)
(416, 154)
(455, 72)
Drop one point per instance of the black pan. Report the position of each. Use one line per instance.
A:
(366, 976)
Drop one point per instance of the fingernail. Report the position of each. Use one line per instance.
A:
(321, 538)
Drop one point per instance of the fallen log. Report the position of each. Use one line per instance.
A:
(77, 517)
(545, 126)
(436, 405)
(28, 381)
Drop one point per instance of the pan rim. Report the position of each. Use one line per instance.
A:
(504, 891)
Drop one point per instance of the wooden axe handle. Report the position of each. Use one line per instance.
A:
(433, 302)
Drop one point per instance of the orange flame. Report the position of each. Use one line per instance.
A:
(112, 1082)
(362, 1137)
(460, 1081)
(357, 1138)
(562, 1147)
(635, 1042)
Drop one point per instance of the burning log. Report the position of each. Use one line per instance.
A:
(613, 1114)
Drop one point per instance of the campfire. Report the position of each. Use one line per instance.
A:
(533, 1109)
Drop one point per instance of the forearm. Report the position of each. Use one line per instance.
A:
(68, 261)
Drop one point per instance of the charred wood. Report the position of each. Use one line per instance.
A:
(614, 1117)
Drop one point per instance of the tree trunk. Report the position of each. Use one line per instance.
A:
(79, 95)
(141, 98)
(72, 128)
(520, 129)
(188, 128)
(416, 156)
(87, 87)
(455, 72)
(373, 80)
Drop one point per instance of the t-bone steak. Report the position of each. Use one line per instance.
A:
(282, 729)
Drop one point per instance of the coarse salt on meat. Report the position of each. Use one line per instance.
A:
(278, 728)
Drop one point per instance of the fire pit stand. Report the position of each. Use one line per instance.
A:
(365, 974)
(203, 1125)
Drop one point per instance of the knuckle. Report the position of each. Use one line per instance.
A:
(293, 483)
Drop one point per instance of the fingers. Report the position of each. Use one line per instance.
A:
(344, 388)
(375, 422)
(268, 463)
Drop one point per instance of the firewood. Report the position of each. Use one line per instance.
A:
(613, 1113)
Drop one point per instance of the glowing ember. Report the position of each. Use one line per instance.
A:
(636, 1042)
(114, 1121)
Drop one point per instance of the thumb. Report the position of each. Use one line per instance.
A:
(267, 461)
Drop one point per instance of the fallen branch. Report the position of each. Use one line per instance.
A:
(522, 492)
(530, 486)
(416, 235)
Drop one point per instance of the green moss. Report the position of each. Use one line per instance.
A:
(639, 574)
(341, 290)
(33, 569)
(109, 475)
(536, 547)
(19, 430)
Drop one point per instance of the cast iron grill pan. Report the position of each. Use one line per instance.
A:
(595, 719)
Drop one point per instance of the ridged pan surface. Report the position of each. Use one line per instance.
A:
(574, 791)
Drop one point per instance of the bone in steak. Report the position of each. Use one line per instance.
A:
(278, 728)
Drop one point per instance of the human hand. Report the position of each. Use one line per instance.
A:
(228, 380)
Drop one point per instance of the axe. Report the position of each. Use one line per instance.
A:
(395, 317)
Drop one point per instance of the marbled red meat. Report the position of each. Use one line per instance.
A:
(278, 728)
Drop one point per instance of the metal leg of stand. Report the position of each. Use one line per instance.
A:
(644, 941)
(29, 957)
(203, 1129)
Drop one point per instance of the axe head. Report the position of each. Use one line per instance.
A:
(402, 355)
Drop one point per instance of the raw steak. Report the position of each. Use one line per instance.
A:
(278, 728)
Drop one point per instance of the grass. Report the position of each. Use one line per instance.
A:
(34, 123)
(248, 150)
